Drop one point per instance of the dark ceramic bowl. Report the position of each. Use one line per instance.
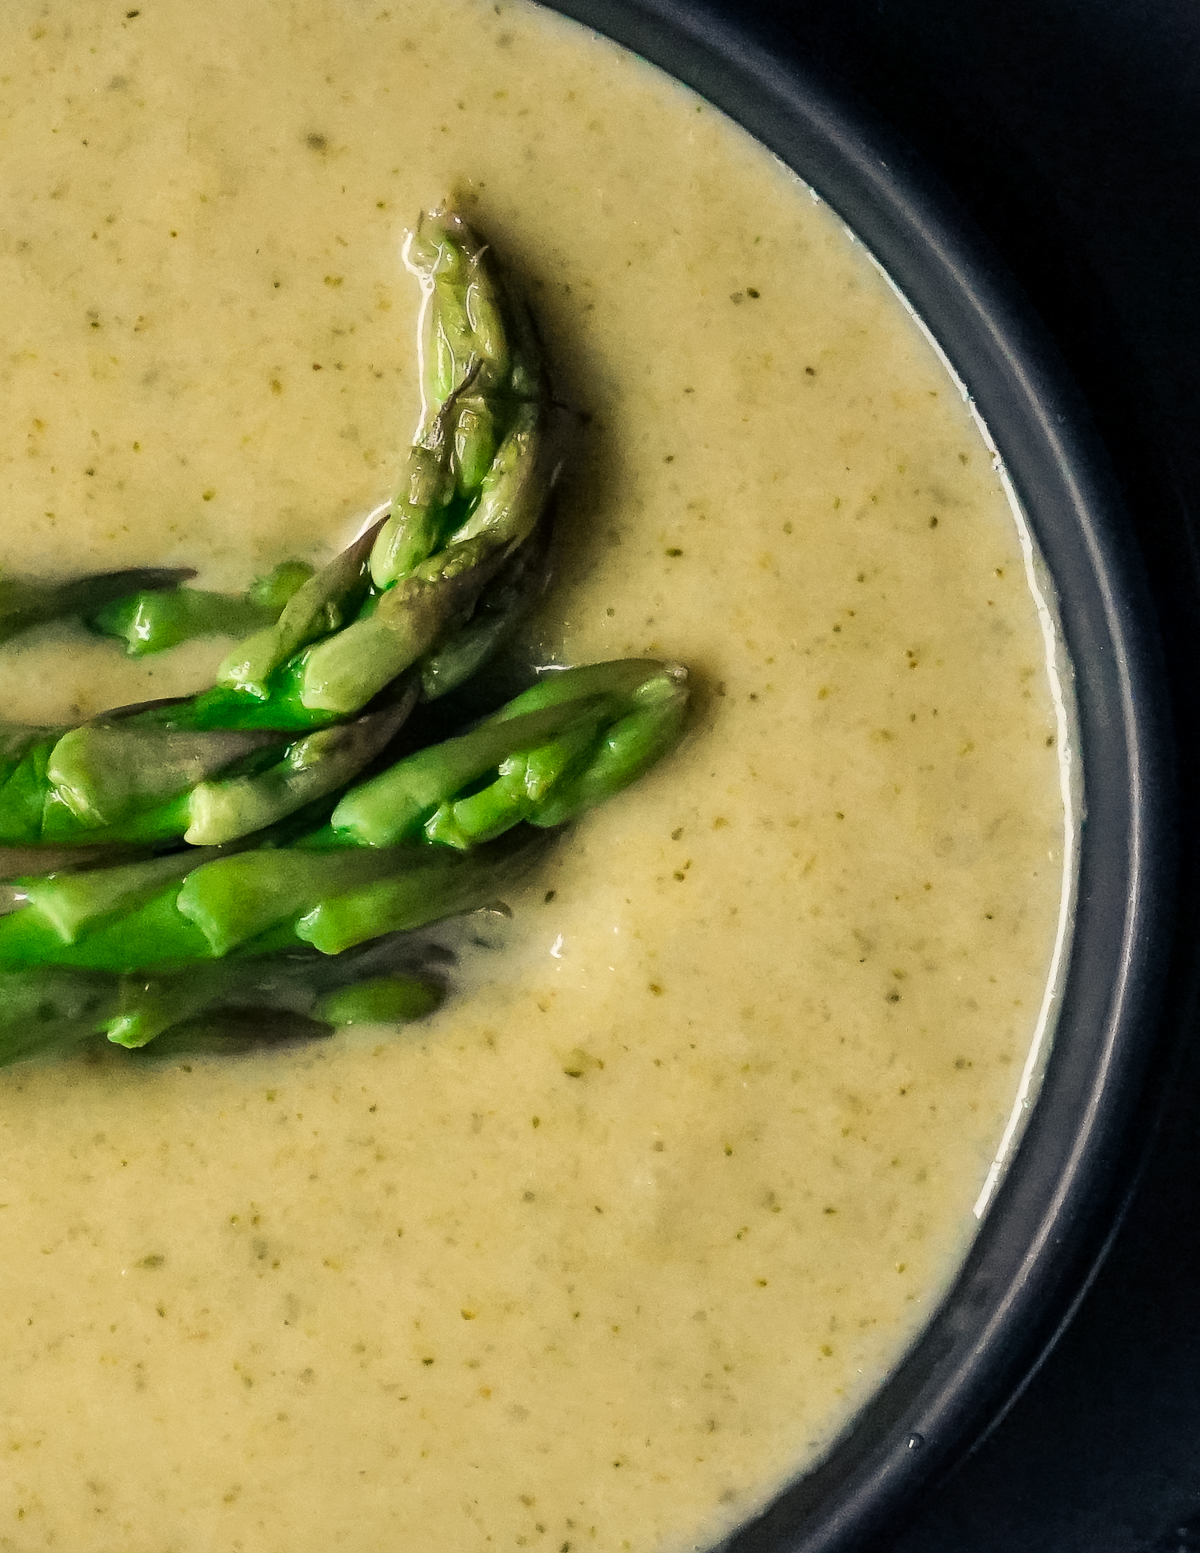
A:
(1056, 1208)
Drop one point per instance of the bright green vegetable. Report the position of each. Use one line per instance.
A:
(502, 605)
(126, 781)
(482, 381)
(104, 772)
(311, 768)
(267, 901)
(151, 622)
(425, 891)
(391, 1000)
(575, 738)
(71, 903)
(25, 602)
(472, 493)
(572, 740)
(324, 604)
(46, 1010)
(154, 934)
(146, 1007)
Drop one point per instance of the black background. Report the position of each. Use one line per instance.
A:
(1070, 131)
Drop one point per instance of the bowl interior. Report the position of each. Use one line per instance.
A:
(1055, 1207)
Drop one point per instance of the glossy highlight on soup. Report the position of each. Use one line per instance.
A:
(623, 1236)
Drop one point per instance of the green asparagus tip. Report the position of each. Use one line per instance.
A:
(386, 1000)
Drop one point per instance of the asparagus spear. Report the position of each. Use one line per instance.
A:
(438, 887)
(337, 675)
(225, 1007)
(104, 771)
(389, 983)
(566, 744)
(312, 767)
(147, 1008)
(151, 622)
(476, 490)
(323, 604)
(390, 1000)
(152, 935)
(473, 491)
(74, 902)
(651, 727)
(501, 606)
(26, 602)
(480, 370)
(125, 781)
(276, 901)
(573, 739)
(459, 515)
(47, 1010)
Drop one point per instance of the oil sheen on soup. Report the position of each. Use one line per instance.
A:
(623, 1236)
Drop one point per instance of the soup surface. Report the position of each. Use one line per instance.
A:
(622, 1237)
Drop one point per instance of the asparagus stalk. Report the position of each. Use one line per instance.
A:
(570, 741)
(325, 603)
(151, 935)
(472, 377)
(428, 890)
(26, 602)
(459, 515)
(103, 772)
(146, 1007)
(129, 782)
(651, 728)
(149, 1007)
(150, 622)
(46, 1010)
(311, 768)
(391, 1000)
(473, 491)
(276, 901)
(392, 981)
(502, 605)
(71, 903)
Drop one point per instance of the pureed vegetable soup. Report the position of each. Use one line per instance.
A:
(626, 1233)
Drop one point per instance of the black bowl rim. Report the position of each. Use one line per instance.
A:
(1057, 1206)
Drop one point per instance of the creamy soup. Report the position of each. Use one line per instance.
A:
(623, 1237)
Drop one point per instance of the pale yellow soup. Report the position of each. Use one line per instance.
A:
(623, 1237)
